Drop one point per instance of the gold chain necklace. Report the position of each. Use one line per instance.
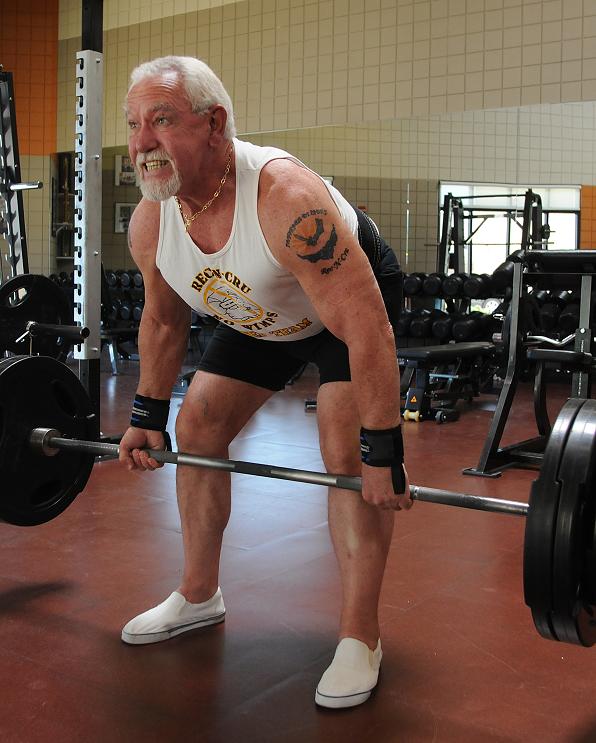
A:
(189, 220)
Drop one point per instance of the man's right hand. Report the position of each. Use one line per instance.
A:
(136, 439)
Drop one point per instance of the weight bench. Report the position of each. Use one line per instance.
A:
(113, 339)
(444, 374)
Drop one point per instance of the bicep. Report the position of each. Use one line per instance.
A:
(310, 238)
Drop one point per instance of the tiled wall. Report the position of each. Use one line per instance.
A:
(374, 93)
(301, 63)
(549, 143)
(588, 217)
(378, 164)
(386, 95)
(118, 14)
(28, 49)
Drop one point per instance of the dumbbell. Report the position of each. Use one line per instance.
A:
(125, 310)
(113, 309)
(478, 286)
(403, 324)
(502, 277)
(432, 285)
(569, 318)
(442, 326)
(137, 279)
(471, 327)
(549, 316)
(421, 326)
(453, 286)
(137, 310)
(413, 283)
(551, 304)
(542, 297)
(55, 278)
(124, 278)
(111, 278)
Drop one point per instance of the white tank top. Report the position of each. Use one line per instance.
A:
(242, 285)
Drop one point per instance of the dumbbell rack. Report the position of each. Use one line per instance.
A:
(122, 305)
(540, 270)
(438, 373)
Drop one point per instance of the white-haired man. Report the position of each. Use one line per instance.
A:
(294, 274)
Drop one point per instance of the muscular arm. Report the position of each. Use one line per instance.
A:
(308, 236)
(165, 321)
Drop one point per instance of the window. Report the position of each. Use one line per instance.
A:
(493, 215)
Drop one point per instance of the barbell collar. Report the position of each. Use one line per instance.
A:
(25, 186)
(49, 441)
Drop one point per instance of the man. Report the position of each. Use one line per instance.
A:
(256, 239)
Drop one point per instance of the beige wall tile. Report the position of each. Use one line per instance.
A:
(346, 76)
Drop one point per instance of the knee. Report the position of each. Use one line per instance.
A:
(187, 430)
(341, 457)
(197, 435)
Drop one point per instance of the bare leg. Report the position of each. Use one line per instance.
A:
(361, 533)
(214, 411)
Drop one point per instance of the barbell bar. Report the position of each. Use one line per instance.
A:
(38, 393)
(49, 441)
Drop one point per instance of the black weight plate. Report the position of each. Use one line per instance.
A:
(40, 392)
(33, 297)
(541, 523)
(573, 613)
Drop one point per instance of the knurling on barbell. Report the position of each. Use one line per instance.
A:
(44, 409)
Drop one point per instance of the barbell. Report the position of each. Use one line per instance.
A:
(47, 453)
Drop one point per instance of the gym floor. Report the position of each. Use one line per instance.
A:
(462, 660)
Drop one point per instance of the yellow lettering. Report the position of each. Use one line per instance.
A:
(304, 323)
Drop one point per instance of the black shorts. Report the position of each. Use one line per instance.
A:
(271, 364)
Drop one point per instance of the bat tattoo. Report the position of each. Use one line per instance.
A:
(313, 239)
(326, 252)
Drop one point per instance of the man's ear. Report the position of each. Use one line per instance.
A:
(218, 118)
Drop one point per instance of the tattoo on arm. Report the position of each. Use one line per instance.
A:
(313, 234)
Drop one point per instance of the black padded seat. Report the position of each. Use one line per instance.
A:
(576, 359)
(447, 351)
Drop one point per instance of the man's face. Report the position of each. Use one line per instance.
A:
(166, 138)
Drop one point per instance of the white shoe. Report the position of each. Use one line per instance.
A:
(352, 675)
(172, 617)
